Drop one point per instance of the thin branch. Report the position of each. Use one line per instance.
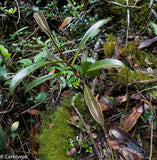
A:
(36, 105)
(19, 16)
(4, 112)
(153, 12)
(89, 132)
(58, 49)
(148, 89)
(128, 22)
(97, 4)
(77, 126)
(143, 81)
(121, 5)
(151, 3)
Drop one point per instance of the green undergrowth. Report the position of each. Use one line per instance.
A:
(79, 102)
(139, 18)
(80, 105)
(54, 141)
(139, 56)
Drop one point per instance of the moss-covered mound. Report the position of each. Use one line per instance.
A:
(55, 134)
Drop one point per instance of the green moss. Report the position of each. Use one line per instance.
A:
(140, 17)
(79, 102)
(54, 142)
(111, 37)
(132, 75)
(81, 106)
(139, 56)
(117, 13)
(109, 46)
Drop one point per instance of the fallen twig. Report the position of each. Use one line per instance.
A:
(153, 12)
(4, 112)
(143, 81)
(121, 5)
(148, 89)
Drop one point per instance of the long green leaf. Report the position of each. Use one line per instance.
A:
(41, 20)
(93, 105)
(20, 30)
(92, 32)
(25, 72)
(105, 63)
(38, 81)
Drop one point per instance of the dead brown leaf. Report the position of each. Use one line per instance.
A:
(43, 88)
(71, 151)
(147, 42)
(33, 112)
(66, 21)
(33, 137)
(104, 106)
(122, 99)
(148, 61)
(120, 133)
(129, 153)
(52, 71)
(94, 135)
(154, 50)
(129, 59)
(51, 125)
(74, 118)
(115, 144)
(150, 70)
(116, 51)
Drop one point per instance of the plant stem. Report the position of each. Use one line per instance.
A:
(127, 94)
(107, 137)
(89, 132)
(60, 51)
